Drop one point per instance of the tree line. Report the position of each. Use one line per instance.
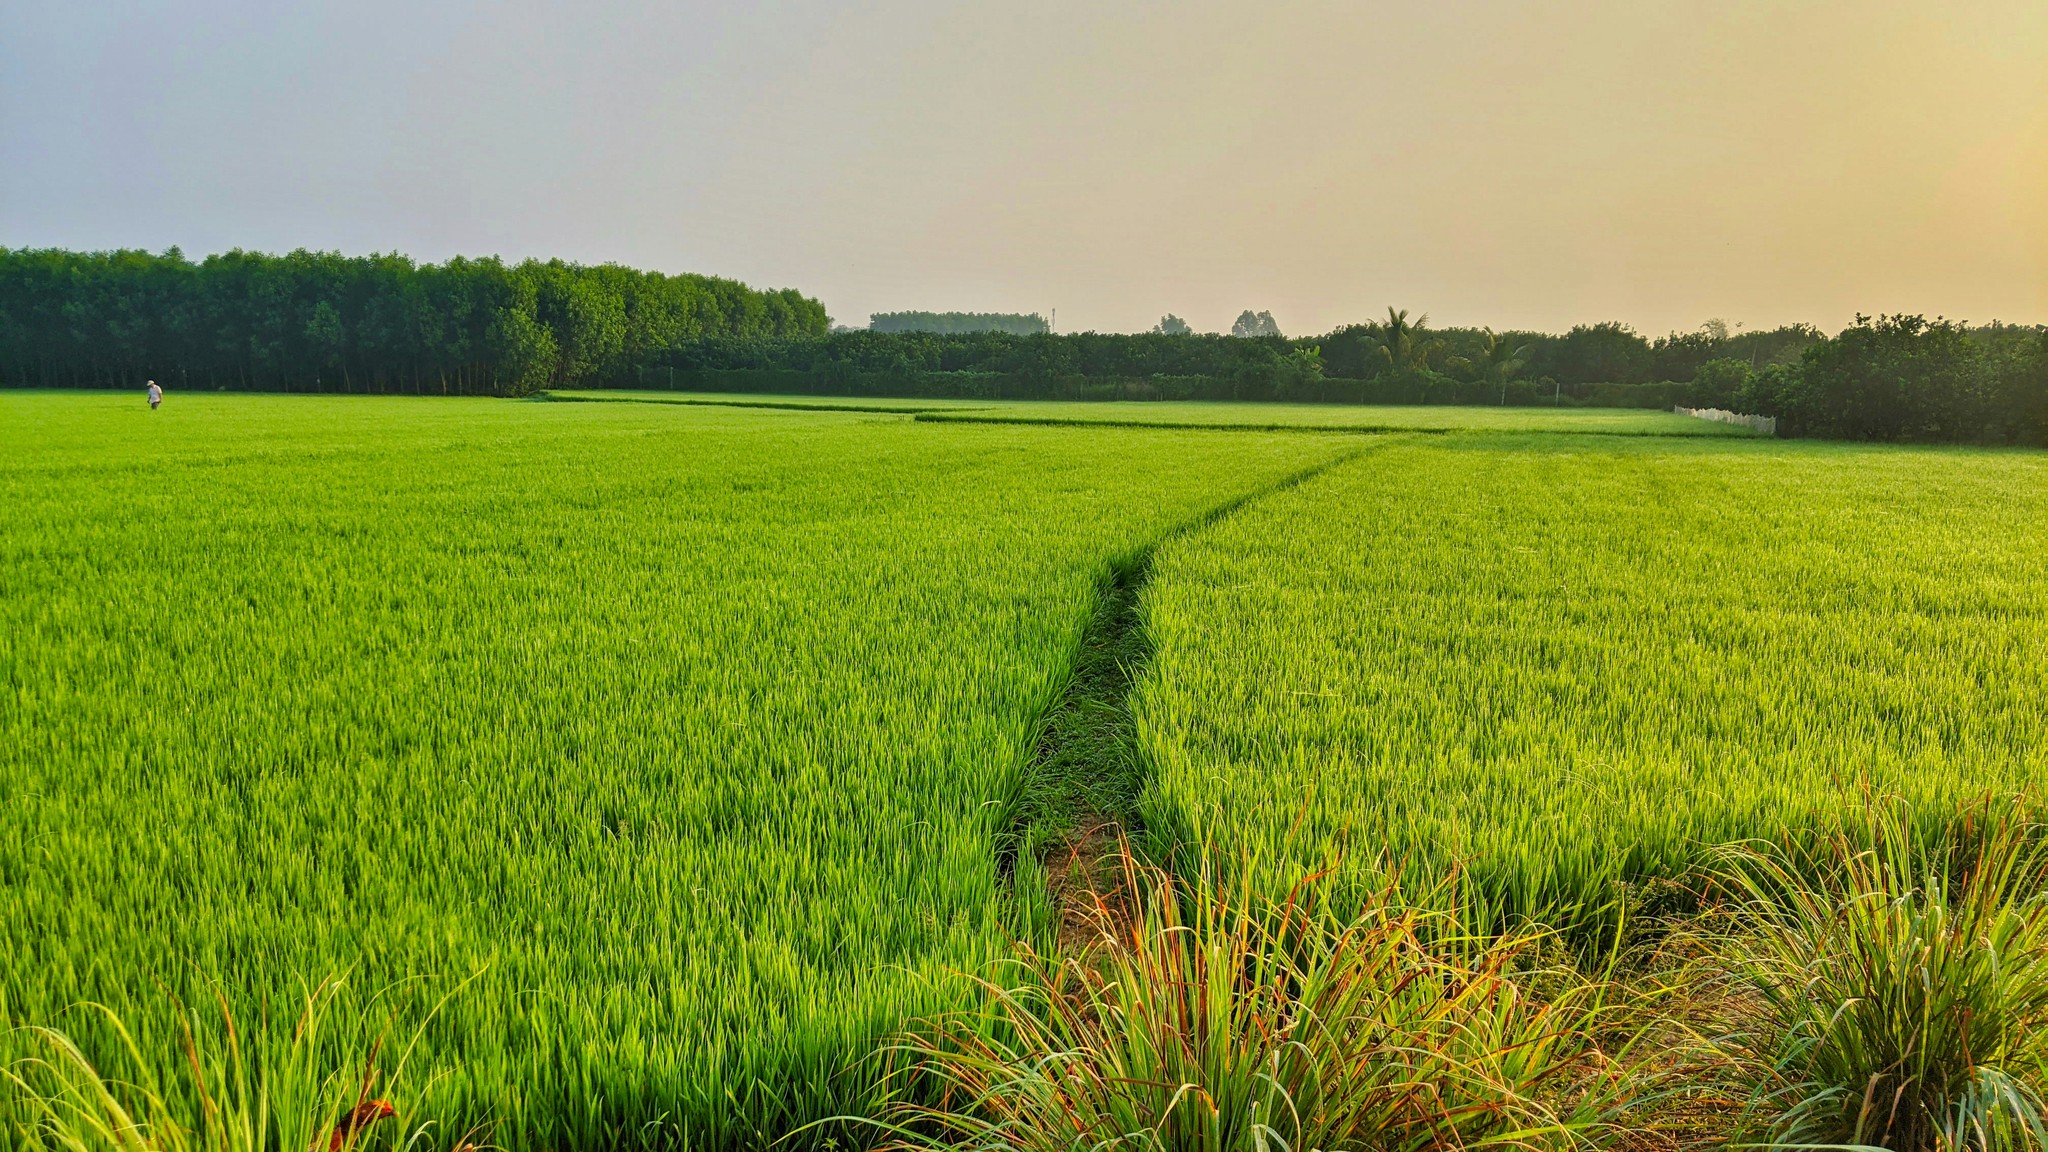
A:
(320, 321)
(311, 321)
(1397, 359)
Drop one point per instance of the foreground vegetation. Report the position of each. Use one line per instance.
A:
(695, 751)
(1883, 988)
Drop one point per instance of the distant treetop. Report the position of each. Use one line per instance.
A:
(1171, 325)
(1250, 323)
(1014, 323)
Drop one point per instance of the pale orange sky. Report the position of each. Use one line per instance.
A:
(1524, 165)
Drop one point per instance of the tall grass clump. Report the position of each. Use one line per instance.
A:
(336, 1080)
(1199, 1021)
(1898, 985)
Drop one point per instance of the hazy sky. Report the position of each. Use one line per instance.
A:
(1488, 162)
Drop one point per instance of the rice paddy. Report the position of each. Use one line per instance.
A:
(693, 732)
(1568, 664)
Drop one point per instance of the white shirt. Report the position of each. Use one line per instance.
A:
(155, 393)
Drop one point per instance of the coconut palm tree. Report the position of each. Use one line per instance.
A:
(1500, 359)
(1405, 349)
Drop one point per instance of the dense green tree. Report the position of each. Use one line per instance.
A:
(1680, 355)
(1719, 383)
(381, 323)
(1608, 353)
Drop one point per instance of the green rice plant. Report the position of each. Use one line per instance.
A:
(327, 1086)
(1203, 1021)
(1898, 988)
(697, 729)
(1568, 667)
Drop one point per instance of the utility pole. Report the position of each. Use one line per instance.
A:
(1053, 327)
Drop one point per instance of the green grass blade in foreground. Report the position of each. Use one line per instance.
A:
(336, 1076)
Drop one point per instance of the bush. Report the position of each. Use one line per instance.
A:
(1908, 378)
(1718, 383)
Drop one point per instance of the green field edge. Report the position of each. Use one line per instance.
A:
(948, 416)
(970, 412)
(694, 402)
(945, 416)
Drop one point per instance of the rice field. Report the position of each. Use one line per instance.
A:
(691, 731)
(688, 732)
(1567, 664)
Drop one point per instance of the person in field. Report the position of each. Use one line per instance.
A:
(156, 396)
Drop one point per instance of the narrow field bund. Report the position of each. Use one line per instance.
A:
(1086, 780)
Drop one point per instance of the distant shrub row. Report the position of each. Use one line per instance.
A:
(1014, 323)
(971, 385)
(1587, 355)
(318, 321)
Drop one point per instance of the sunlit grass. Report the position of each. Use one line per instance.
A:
(335, 1075)
(694, 728)
(1574, 664)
